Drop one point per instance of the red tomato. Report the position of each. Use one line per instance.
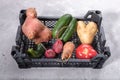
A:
(85, 51)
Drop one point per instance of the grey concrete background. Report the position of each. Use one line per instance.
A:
(9, 10)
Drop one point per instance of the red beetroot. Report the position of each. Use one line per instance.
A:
(50, 53)
(58, 46)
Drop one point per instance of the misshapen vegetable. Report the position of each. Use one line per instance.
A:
(34, 28)
(70, 30)
(87, 32)
(67, 50)
(85, 51)
(50, 53)
(58, 46)
(63, 21)
(64, 27)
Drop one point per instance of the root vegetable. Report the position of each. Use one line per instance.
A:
(44, 36)
(31, 12)
(58, 46)
(87, 32)
(67, 50)
(34, 29)
(50, 53)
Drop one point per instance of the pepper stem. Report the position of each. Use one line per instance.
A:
(43, 46)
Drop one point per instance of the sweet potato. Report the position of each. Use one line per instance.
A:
(44, 36)
(87, 32)
(34, 29)
(31, 12)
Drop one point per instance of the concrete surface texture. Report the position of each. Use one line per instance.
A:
(9, 10)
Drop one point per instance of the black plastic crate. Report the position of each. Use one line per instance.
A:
(22, 44)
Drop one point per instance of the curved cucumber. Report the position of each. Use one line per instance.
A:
(70, 30)
(63, 21)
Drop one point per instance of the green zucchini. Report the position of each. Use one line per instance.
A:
(63, 21)
(70, 30)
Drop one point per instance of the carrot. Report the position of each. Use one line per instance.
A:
(67, 50)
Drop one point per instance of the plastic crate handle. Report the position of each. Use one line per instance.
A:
(22, 60)
(101, 58)
(22, 16)
(94, 15)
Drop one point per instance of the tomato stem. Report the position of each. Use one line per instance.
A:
(43, 46)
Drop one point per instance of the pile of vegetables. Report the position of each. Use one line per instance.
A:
(62, 32)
